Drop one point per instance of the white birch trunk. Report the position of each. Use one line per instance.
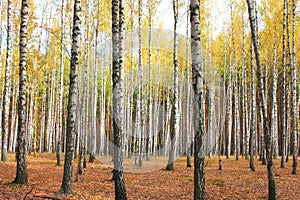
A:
(43, 120)
(174, 124)
(274, 119)
(7, 85)
(140, 100)
(197, 81)
(294, 93)
(13, 131)
(21, 172)
(61, 89)
(66, 187)
(50, 112)
(229, 113)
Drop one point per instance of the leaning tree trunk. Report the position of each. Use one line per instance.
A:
(197, 81)
(118, 26)
(175, 118)
(21, 175)
(7, 85)
(267, 138)
(66, 187)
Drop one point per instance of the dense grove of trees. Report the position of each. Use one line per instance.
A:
(113, 78)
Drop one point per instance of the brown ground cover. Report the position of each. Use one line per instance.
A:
(235, 181)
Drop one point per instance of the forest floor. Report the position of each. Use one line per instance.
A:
(235, 181)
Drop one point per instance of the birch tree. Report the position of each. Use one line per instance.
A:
(274, 120)
(150, 107)
(140, 99)
(7, 84)
(118, 27)
(283, 86)
(175, 103)
(95, 90)
(67, 185)
(229, 111)
(187, 92)
(197, 82)
(61, 88)
(267, 137)
(21, 174)
(253, 110)
(294, 92)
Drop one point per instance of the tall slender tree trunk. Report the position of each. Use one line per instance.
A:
(21, 174)
(50, 111)
(66, 187)
(274, 119)
(140, 102)
(244, 100)
(197, 81)
(283, 87)
(2, 89)
(85, 96)
(13, 131)
(43, 120)
(210, 103)
(95, 92)
(235, 90)
(175, 114)
(229, 111)
(103, 113)
(267, 138)
(81, 115)
(253, 111)
(294, 91)
(288, 84)
(118, 27)
(61, 89)
(187, 92)
(1, 12)
(7, 85)
(150, 107)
